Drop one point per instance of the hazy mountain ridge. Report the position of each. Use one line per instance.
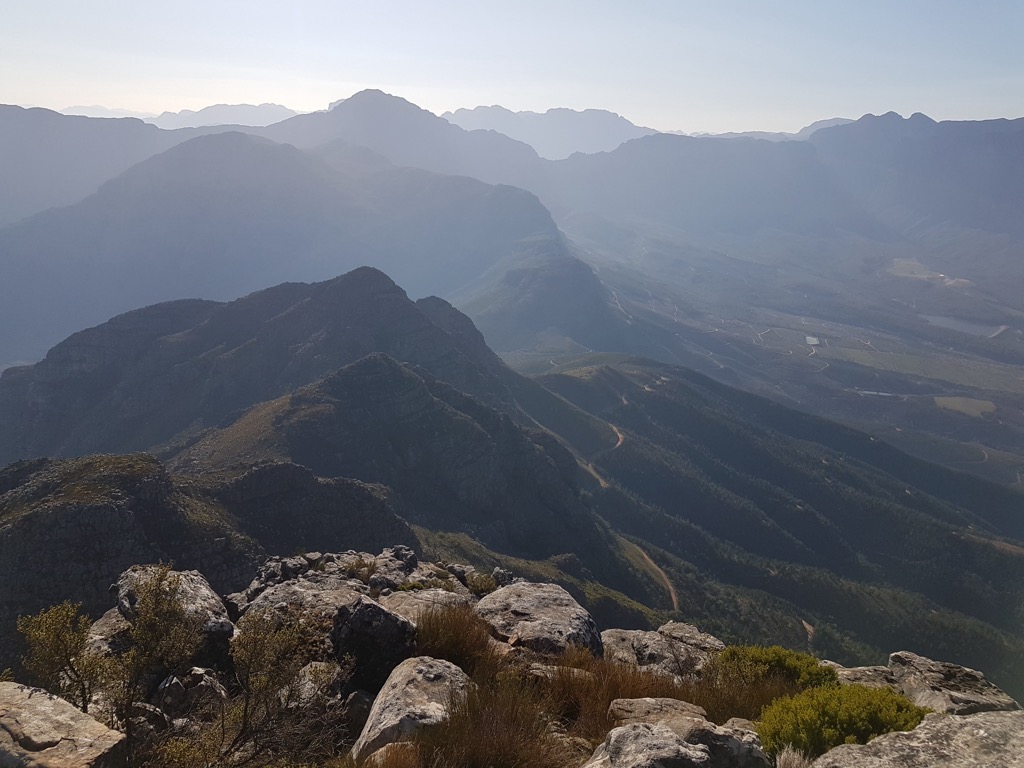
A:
(554, 134)
(211, 217)
(223, 114)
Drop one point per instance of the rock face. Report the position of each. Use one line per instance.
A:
(941, 686)
(642, 745)
(415, 694)
(37, 729)
(982, 740)
(652, 710)
(542, 617)
(675, 650)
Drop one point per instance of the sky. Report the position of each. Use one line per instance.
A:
(713, 65)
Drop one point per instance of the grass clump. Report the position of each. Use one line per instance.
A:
(583, 686)
(501, 724)
(455, 633)
(818, 719)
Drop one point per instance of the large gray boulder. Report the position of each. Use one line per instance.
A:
(542, 617)
(194, 591)
(982, 740)
(945, 687)
(417, 693)
(643, 745)
(353, 626)
(43, 731)
(676, 650)
(729, 746)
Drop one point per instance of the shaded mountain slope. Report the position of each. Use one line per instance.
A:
(456, 464)
(95, 516)
(213, 218)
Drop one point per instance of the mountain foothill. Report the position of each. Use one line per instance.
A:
(783, 372)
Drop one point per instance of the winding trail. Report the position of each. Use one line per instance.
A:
(662, 576)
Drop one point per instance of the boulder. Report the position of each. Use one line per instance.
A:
(982, 740)
(542, 617)
(652, 710)
(110, 634)
(945, 687)
(37, 729)
(198, 597)
(676, 650)
(353, 626)
(416, 693)
(375, 637)
(733, 745)
(412, 603)
(643, 745)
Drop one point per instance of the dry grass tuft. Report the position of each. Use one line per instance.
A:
(584, 686)
(503, 724)
(456, 634)
(791, 758)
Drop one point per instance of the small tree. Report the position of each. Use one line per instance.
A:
(59, 658)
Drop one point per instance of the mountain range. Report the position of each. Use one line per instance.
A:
(760, 517)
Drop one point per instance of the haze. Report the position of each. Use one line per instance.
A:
(671, 66)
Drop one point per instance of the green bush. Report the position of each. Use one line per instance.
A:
(743, 679)
(801, 669)
(819, 719)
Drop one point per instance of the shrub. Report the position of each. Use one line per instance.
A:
(455, 633)
(801, 669)
(741, 680)
(481, 584)
(58, 656)
(819, 719)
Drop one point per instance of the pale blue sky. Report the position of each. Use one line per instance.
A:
(713, 65)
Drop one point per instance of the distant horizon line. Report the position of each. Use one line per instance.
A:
(123, 112)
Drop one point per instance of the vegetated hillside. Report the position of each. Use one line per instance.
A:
(212, 218)
(847, 531)
(554, 134)
(95, 516)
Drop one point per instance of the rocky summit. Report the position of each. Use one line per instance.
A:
(386, 697)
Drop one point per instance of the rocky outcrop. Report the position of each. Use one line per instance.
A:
(733, 745)
(945, 687)
(37, 729)
(938, 685)
(982, 740)
(351, 626)
(675, 650)
(542, 617)
(417, 693)
(643, 745)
